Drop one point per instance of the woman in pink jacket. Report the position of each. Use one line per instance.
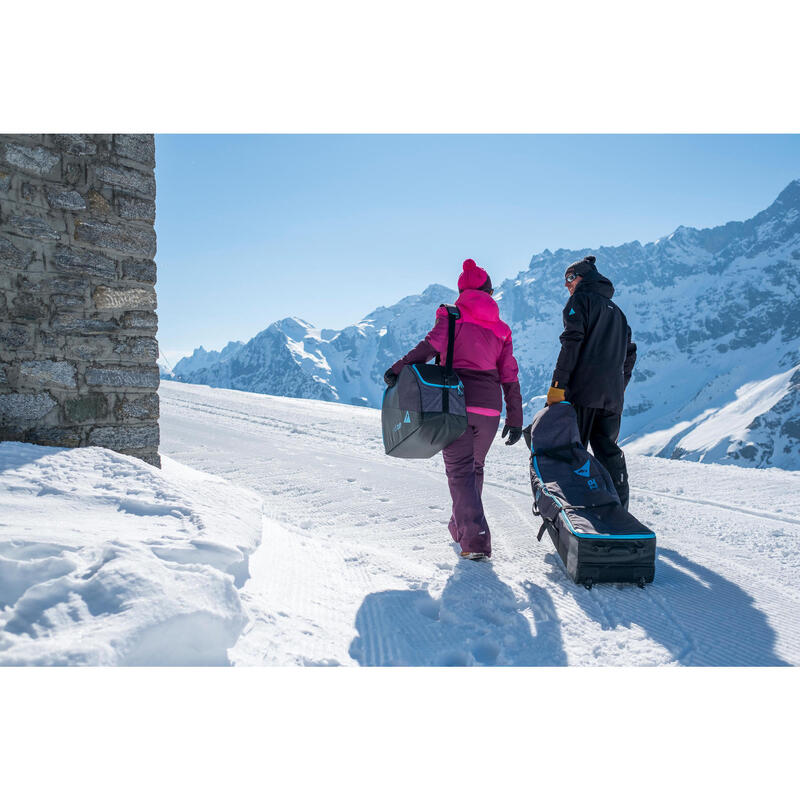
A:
(484, 360)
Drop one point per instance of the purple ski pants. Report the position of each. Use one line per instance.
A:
(463, 463)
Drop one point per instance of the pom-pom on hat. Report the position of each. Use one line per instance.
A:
(473, 277)
(582, 267)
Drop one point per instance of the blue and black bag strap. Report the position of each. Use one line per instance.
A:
(452, 315)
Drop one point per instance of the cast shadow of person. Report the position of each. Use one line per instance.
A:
(701, 618)
(476, 622)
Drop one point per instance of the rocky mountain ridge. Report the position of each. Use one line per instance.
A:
(715, 314)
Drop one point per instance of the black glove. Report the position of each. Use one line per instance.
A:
(390, 377)
(514, 433)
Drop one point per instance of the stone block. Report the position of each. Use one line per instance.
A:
(32, 195)
(127, 377)
(62, 197)
(11, 256)
(34, 160)
(64, 285)
(67, 302)
(74, 173)
(135, 208)
(34, 227)
(87, 407)
(122, 238)
(46, 373)
(66, 323)
(14, 336)
(144, 271)
(69, 259)
(55, 437)
(27, 306)
(139, 320)
(124, 178)
(98, 204)
(94, 348)
(125, 437)
(145, 407)
(138, 347)
(136, 147)
(76, 144)
(18, 407)
(107, 298)
(50, 341)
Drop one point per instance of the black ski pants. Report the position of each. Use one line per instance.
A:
(600, 429)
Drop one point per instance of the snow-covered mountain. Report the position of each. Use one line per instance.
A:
(715, 314)
(293, 359)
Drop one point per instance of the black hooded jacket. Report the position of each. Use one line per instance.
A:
(597, 354)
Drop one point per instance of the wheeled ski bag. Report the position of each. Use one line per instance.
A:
(425, 410)
(596, 538)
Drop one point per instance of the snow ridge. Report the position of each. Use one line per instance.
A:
(106, 560)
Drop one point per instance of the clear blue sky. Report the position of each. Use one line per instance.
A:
(255, 228)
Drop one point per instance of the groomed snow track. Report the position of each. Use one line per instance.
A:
(356, 565)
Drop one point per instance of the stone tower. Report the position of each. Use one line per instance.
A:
(77, 292)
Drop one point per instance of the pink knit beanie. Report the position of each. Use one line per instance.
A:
(473, 277)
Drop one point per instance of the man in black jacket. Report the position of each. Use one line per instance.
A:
(595, 365)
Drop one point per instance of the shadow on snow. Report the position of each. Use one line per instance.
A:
(477, 621)
(701, 618)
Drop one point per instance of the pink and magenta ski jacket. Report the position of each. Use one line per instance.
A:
(483, 355)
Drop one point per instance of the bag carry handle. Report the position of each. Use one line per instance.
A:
(452, 315)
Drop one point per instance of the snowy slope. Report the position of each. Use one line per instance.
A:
(106, 560)
(762, 425)
(712, 311)
(356, 565)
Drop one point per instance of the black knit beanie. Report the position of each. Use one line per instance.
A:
(582, 267)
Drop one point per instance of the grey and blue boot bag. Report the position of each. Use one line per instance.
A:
(426, 409)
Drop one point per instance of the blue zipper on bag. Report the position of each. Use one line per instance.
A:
(459, 386)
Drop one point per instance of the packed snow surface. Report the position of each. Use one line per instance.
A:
(356, 565)
(105, 560)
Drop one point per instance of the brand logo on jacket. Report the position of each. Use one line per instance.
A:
(408, 417)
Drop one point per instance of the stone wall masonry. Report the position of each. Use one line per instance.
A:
(78, 326)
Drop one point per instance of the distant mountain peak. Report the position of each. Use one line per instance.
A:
(790, 196)
(294, 327)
